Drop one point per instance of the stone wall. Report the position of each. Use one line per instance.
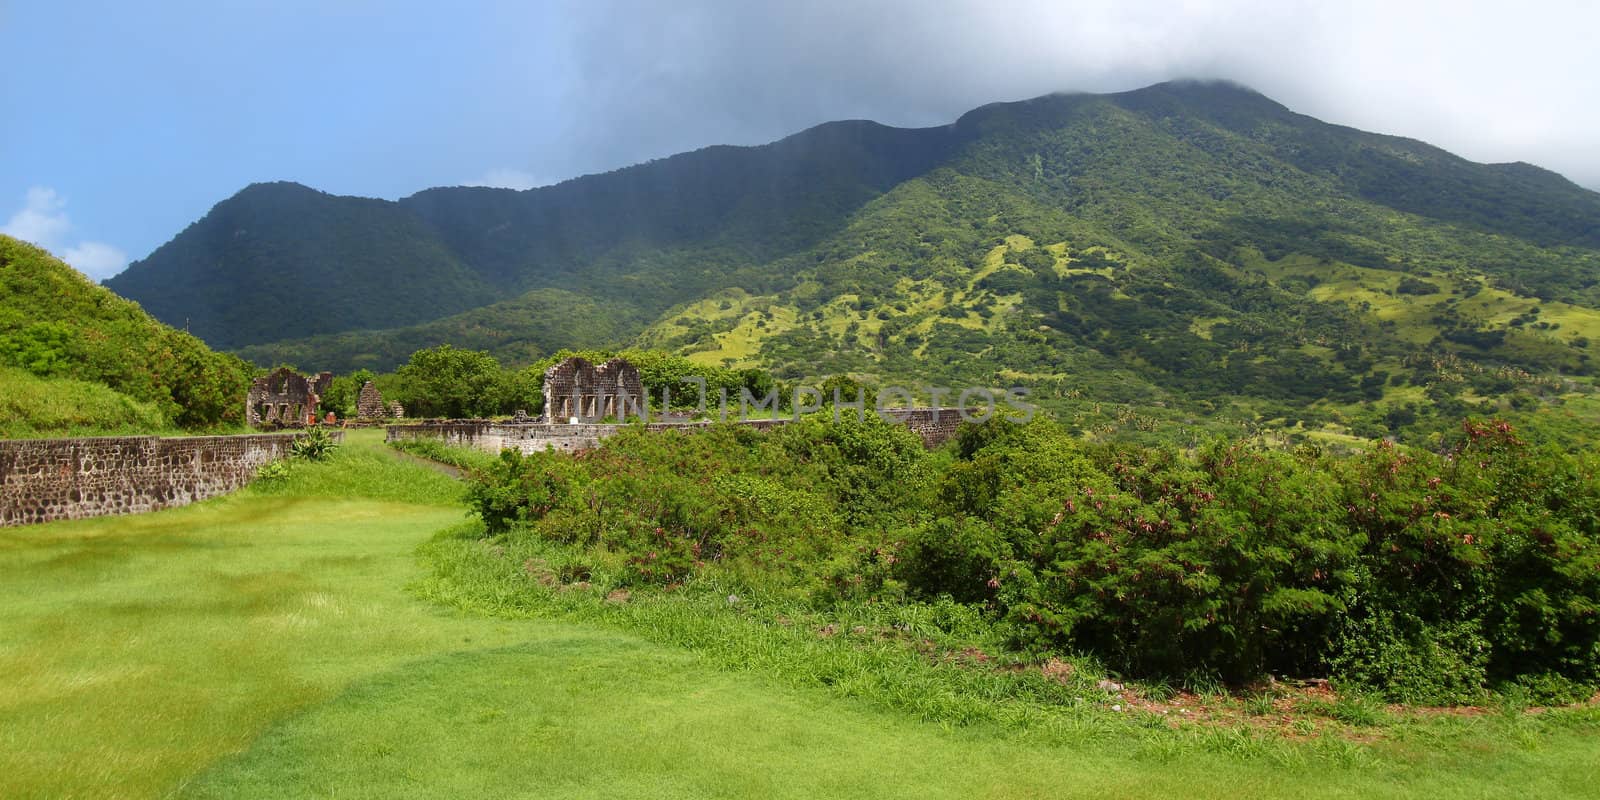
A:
(934, 425)
(285, 399)
(48, 479)
(575, 388)
(369, 403)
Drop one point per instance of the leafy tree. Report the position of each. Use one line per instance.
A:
(345, 391)
(445, 381)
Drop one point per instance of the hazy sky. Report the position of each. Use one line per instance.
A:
(124, 122)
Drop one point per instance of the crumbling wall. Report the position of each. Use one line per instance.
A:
(935, 425)
(285, 398)
(369, 403)
(621, 392)
(49, 479)
(575, 388)
(481, 434)
(569, 390)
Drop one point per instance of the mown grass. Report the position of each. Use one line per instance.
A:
(137, 650)
(264, 645)
(614, 717)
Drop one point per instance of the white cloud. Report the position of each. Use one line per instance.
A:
(1490, 81)
(507, 178)
(43, 221)
(98, 260)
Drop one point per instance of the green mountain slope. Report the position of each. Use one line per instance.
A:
(282, 261)
(76, 358)
(519, 331)
(1185, 252)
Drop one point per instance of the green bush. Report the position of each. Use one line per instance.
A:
(1487, 557)
(315, 444)
(1231, 561)
(1429, 577)
(273, 472)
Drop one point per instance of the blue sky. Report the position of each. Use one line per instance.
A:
(126, 122)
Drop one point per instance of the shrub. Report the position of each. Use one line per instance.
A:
(273, 472)
(1487, 557)
(1417, 286)
(314, 444)
(1231, 562)
(959, 558)
(1430, 577)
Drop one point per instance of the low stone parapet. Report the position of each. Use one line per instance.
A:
(934, 425)
(50, 479)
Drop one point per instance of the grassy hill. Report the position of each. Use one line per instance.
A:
(76, 358)
(1190, 254)
(34, 407)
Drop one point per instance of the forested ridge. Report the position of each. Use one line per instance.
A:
(1184, 254)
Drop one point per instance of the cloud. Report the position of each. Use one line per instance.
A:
(507, 178)
(1489, 82)
(98, 260)
(43, 221)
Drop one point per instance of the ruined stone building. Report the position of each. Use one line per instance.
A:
(285, 398)
(369, 403)
(578, 389)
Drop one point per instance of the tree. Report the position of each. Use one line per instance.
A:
(343, 393)
(444, 381)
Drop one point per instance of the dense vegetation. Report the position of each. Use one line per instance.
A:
(451, 382)
(1187, 258)
(34, 407)
(1432, 578)
(76, 358)
(279, 261)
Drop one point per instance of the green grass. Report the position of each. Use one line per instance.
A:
(32, 407)
(608, 716)
(461, 458)
(265, 644)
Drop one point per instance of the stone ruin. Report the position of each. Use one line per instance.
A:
(285, 399)
(577, 389)
(369, 403)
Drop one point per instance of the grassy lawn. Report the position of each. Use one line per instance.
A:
(266, 644)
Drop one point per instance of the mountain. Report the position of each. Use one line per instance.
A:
(76, 358)
(1187, 250)
(280, 261)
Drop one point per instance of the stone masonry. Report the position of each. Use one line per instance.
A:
(934, 425)
(285, 399)
(369, 403)
(575, 388)
(48, 479)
